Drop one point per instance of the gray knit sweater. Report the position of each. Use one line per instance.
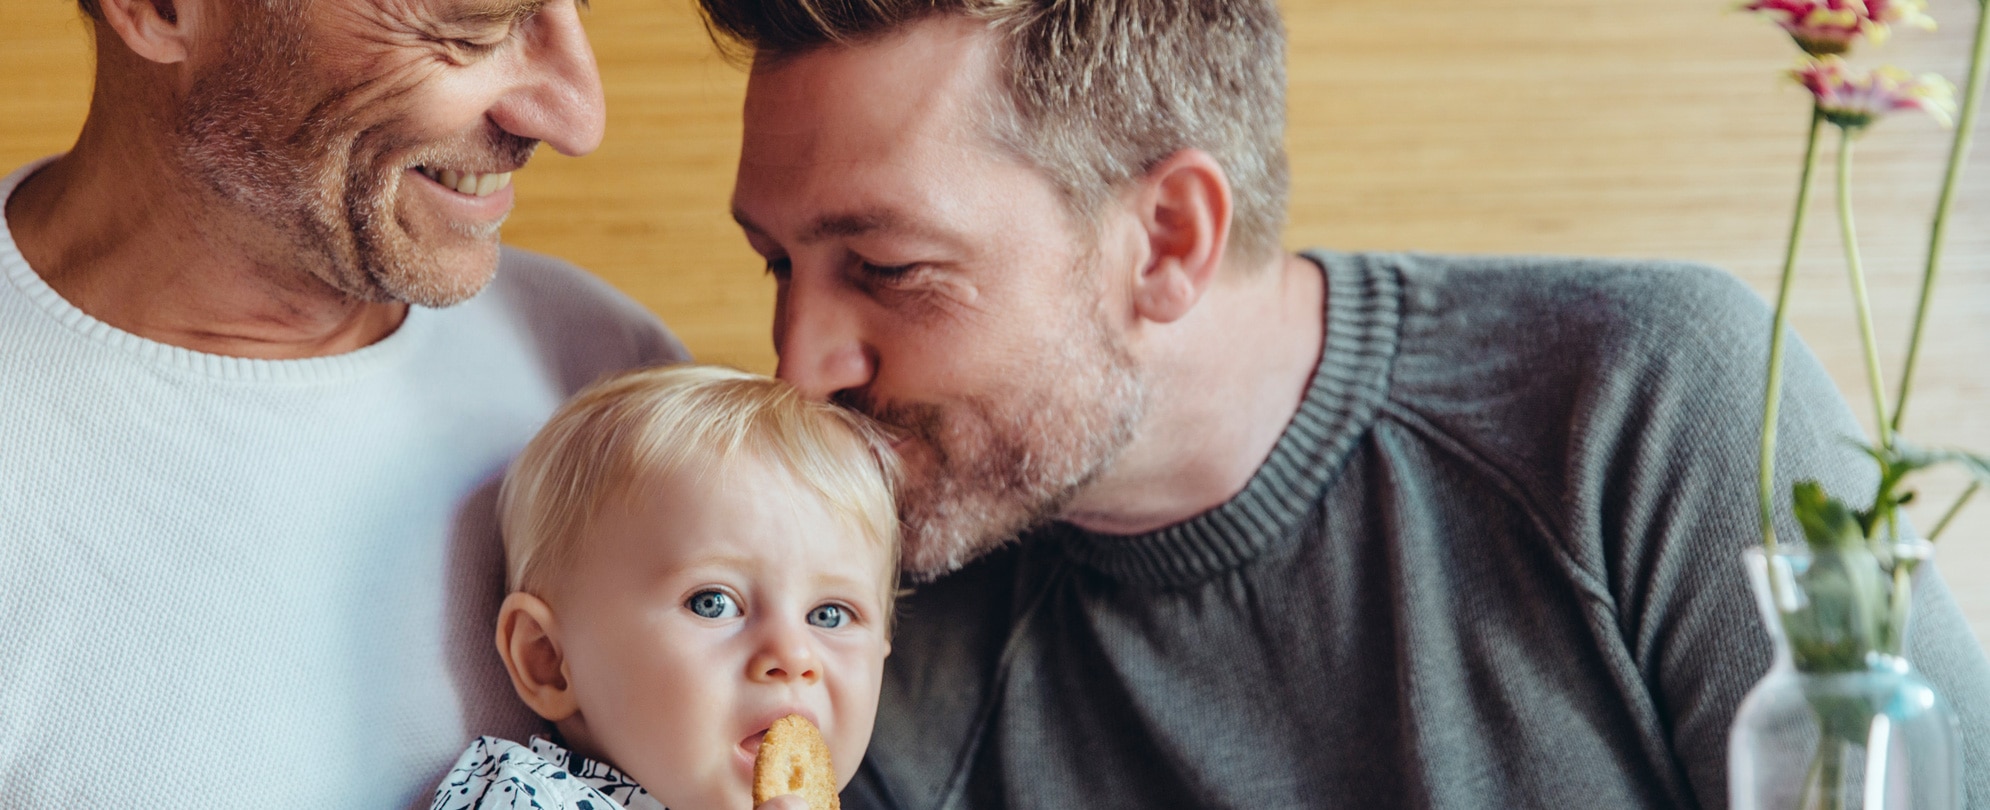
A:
(1494, 561)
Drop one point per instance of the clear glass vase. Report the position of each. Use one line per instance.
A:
(1847, 723)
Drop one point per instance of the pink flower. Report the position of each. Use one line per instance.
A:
(1824, 27)
(1855, 100)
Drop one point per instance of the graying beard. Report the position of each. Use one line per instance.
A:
(956, 522)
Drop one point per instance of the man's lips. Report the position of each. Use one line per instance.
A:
(475, 184)
(452, 204)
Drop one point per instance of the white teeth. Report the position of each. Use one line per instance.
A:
(475, 185)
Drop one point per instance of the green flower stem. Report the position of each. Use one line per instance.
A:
(1965, 129)
(1954, 508)
(1859, 297)
(1813, 779)
(1902, 601)
(1832, 776)
(1772, 399)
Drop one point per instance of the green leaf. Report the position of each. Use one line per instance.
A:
(1904, 458)
(1844, 615)
(1894, 468)
(1827, 523)
(1908, 458)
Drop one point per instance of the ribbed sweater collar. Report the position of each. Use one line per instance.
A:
(1363, 323)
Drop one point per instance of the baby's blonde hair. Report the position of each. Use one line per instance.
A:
(688, 419)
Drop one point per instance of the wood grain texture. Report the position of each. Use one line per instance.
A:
(1596, 127)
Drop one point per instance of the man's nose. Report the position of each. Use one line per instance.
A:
(785, 656)
(555, 89)
(818, 335)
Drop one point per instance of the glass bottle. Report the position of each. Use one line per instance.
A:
(1846, 721)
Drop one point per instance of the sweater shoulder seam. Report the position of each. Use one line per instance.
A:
(1592, 585)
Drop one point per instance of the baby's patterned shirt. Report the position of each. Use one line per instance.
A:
(495, 774)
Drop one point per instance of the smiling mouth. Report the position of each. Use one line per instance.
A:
(471, 183)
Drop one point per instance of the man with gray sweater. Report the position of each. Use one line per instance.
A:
(1200, 523)
(262, 361)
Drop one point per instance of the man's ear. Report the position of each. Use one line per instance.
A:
(1184, 205)
(156, 30)
(528, 639)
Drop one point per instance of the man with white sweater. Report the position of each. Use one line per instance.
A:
(261, 359)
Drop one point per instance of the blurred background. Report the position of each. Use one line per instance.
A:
(1594, 127)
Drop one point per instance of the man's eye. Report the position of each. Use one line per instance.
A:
(468, 49)
(712, 605)
(828, 617)
(889, 272)
(474, 49)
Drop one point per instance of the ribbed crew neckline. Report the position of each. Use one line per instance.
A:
(1363, 327)
(69, 317)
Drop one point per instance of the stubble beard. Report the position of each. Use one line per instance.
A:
(331, 210)
(1003, 464)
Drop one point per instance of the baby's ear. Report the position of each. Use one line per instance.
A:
(528, 639)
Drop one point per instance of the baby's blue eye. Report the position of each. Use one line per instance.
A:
(712, 605)
(828, 616)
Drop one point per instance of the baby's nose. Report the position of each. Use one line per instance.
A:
(786, 658)
(802, 673)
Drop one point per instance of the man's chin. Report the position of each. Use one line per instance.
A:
(435, 276)
(422, 255)
(437, 290)
(950, 526)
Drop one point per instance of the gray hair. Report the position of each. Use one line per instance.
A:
(1099, 91)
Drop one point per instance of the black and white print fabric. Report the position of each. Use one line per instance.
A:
(495, 774)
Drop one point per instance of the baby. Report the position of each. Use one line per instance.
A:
(692, 553)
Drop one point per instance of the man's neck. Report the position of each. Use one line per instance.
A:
(1236, 370)
(110, 230)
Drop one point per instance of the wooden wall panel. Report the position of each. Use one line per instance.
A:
(1600, 127)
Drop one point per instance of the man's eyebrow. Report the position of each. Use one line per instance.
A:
(498, 11)
(844, 226)
(848, 225)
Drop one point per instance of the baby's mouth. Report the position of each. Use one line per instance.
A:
(751, 745)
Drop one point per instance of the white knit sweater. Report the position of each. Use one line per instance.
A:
(234, 583)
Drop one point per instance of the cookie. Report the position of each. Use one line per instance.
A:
(793, 759)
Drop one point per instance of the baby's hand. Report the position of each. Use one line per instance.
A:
(788, 802)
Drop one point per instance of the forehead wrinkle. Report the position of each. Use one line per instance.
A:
(944, 108)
